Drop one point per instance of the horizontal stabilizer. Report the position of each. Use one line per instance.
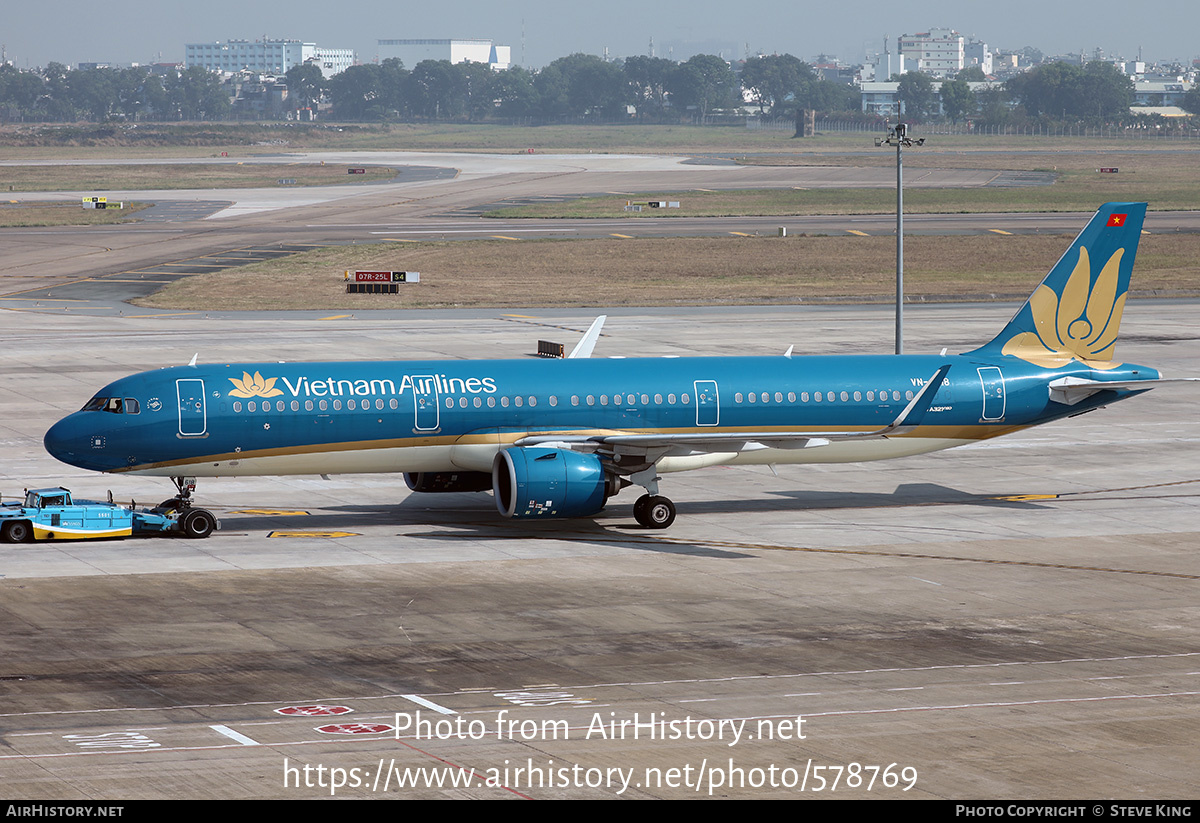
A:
(1072, 390)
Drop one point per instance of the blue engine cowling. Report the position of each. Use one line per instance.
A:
(545, 483)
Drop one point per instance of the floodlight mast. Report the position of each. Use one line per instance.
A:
(898, 136)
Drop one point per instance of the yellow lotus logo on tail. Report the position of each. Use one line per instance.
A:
(1081, 324)
(254, 386)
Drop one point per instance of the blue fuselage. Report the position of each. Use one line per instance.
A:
(320, 418)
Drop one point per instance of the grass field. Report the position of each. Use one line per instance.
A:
(1167, 181)
(33, 213)
(667, 272)
(229, 175)
(43, 142)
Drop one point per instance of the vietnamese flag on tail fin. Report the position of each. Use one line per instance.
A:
(1116, 220)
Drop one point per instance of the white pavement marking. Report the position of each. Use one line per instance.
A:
(232, 735)
(429, 704)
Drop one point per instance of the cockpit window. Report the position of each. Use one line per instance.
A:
(109, 404)
(132, 406)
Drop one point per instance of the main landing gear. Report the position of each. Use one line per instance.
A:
(654, 511)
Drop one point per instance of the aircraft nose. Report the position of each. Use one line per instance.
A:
(70, 441)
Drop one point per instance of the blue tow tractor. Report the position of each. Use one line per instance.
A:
(51, 514)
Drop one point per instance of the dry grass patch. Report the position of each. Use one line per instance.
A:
(665, 271)
(16, 213)
(230, 175)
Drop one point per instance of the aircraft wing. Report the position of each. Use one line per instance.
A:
(745, 441)
(585, 346)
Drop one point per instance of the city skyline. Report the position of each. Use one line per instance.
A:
(540, 31)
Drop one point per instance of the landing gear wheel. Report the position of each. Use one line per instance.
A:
(197, 524)
(17, 531)
(639, 509)
(170, 505)
(654, 511)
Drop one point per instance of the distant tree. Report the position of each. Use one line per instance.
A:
(551, 85)
(1064, 90)
(305, 84)
(23, 89)
(972, 74)
(475, 87)
(773, 79)
(581, 85)
(599, 89)
(703, 82)
(917, 95)
(354, 91)
(957, 99)
(828, 96)
(647, 80)
(391, 86)
(993, 107)
(435, 90)
(154, 96)
(196, 94)
(1191, 100)
(56, 102)
(513, 93)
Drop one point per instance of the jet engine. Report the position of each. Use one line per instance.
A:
(545, 483)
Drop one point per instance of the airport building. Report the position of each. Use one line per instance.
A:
(266, 56)
(411, 52)
(937, 52)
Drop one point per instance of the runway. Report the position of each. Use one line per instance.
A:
(1014, 619)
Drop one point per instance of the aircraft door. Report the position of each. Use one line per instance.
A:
(425, 402)
(708, 412)
(992, 380)
(193, 417)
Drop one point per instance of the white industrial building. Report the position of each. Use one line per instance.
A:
(266, 56)
(938, 52)
(413, 51)
(883, 98)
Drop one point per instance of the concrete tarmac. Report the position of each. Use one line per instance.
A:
(1015, 619)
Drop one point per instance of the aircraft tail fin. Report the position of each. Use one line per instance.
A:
(1075, 313)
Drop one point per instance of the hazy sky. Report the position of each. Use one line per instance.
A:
(71, 31)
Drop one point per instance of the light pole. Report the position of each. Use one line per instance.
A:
(898, 136)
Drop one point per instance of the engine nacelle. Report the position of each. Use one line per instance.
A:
(545, 483)
(448, 481)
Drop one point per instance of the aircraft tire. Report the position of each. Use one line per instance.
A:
(639, 508)
(197, 524)
(17, 531)
(654, 511)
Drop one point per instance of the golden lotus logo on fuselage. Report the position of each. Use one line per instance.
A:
(1080, 324)
(254, 386)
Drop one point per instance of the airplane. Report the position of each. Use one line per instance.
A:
(557, 438)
